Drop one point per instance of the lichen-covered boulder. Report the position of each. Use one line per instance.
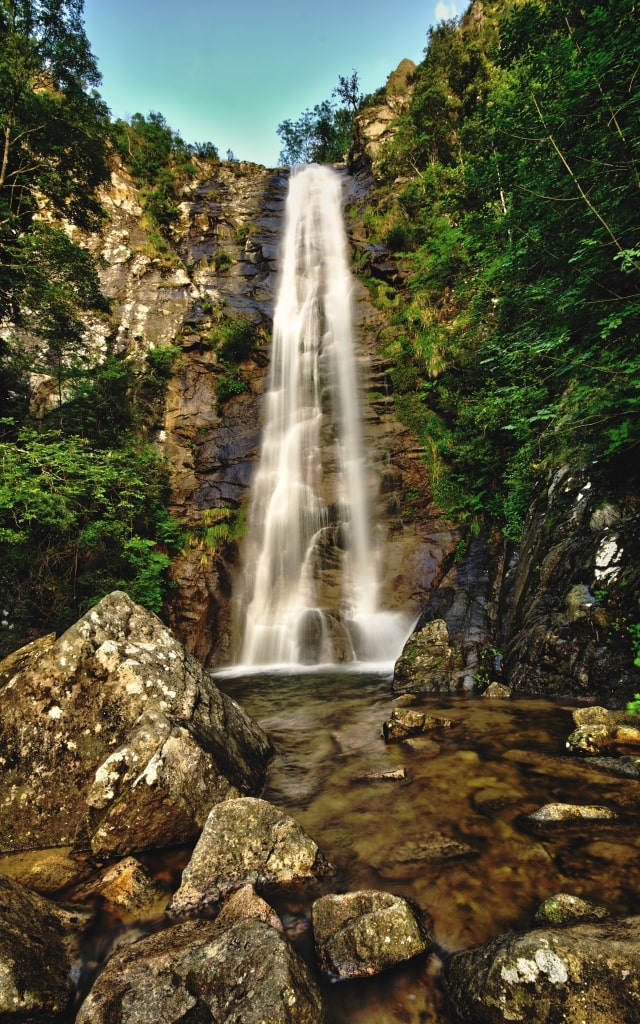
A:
(113, 739)
(36, 943)
(550, 814)
(204, 971)
(358, 934)
(428, 662)
(586, 972)
(246, 840)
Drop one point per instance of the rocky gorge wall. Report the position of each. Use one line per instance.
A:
(554, 617)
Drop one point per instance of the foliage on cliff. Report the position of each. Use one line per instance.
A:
(509, 196)
(82, 494)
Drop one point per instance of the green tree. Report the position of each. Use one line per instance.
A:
(53, 145)
(325, 133)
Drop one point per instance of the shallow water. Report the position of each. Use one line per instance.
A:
(501, 760)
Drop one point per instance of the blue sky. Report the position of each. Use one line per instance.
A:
(229, 71)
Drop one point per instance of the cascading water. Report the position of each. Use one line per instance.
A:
(311, 589)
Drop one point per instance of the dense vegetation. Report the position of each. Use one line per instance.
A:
(82, 492)
(509, 195)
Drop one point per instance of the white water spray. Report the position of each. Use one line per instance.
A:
(312, 588)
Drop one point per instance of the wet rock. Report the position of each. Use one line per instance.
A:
(115, 740)
(205, 971)
(434, 847)
(600, 730)
(359, 934)
(497, 691)
(37, 940)
(585, 972)
(128, 885)
(626, 766)
(552, 813)
(563, 908)
(46, 871)
(388, 775)
(246, 840)
(245, 903)
(576, 575)
(407, 722)
(427, 661)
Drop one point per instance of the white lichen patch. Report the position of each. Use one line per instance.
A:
(526, 970)
(55, 712)
(150, 773)
(607, 559)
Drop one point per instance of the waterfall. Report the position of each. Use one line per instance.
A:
(311, 589)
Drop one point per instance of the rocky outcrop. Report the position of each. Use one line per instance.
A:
(114, 739)
(359, 934)
(246, 841)
(571, 597)
(582, 972)
(242, 970)
(376, 122)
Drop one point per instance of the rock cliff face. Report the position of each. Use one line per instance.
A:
(223, 266)
(559, 614)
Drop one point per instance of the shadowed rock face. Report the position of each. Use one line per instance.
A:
(114, 739)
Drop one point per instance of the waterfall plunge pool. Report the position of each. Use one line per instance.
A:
(451, 836)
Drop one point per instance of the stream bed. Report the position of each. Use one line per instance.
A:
(452, 835)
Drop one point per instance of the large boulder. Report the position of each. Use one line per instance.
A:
(36, 951)
(113, 739)
(586, 972)
(246, 841)
(205, 971)
(428, 661)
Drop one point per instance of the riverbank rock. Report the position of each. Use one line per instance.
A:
(427, 662)
(585, 972)
(246, 840)
(201, 971)
(36, 951)
(359, 934)
(601, 731)
(115, 740)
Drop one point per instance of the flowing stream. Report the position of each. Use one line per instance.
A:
(453, 834)
(311, 588)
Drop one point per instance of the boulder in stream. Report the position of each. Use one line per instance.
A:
(205, 971)
(585, 972)
(358, 934)
(246, 840)
(601, 731)
(113, 739)
(428, 662)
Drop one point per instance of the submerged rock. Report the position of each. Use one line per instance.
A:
(205, 971)
(552, 813)
(246, 840)
(407, 722)
(586, 972)
(359, 934)
(563, 908)
(115, 740)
